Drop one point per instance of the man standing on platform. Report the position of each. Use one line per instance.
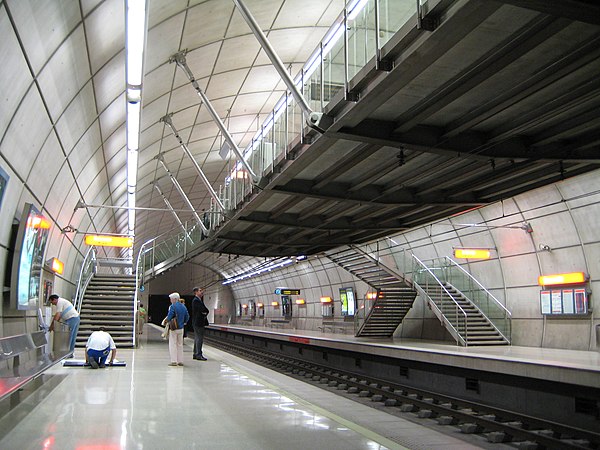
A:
(199, 321)
(66, 312)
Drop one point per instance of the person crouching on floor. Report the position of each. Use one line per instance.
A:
(99, 345)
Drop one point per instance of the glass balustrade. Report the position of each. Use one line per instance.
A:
(479, 295)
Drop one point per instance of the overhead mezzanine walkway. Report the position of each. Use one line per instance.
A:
(423, 126)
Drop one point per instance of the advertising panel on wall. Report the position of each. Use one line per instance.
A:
(28, 260)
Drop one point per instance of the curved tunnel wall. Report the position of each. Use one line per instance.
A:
(563, 217)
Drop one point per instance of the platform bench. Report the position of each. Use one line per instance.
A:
(15, 374)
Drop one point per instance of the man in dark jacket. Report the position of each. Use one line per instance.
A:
(199, 321)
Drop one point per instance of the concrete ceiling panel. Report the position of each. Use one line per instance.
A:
(47, 25)
(113, 117)
(236, 52)
(157, 84)
(162, 42)
(77, 118)
(109, 81)
(86, 149)
(206, 23)
(107, 21)
(27, 133)
(45, 167)
(15, 72)
(65, 74)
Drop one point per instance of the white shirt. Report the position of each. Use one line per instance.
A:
(100, 340)
(66, 309)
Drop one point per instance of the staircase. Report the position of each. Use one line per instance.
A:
(108, 302)
(478, 330)
(394, 298)
(462, 318)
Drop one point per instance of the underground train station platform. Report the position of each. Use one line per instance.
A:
(223, 403)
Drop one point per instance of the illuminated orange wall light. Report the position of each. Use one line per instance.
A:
(108, 241)
(371, 295)
(274, 303)
(260, 305)
(561, 278)
(300, 301)
(245, 306)
(472, 253)
(57, 266)
(38, 222)
(326, 300)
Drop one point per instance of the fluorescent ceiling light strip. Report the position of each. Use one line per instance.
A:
(132, 166)
(136, 33)
(133, 125)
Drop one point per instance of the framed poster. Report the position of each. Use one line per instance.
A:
(545, 302)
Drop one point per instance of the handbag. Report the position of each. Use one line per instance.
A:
(173, 323)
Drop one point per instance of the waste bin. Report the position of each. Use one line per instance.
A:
(60, 339)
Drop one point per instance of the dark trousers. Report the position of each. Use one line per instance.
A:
(198, 340)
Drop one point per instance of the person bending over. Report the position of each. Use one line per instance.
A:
(99, 345)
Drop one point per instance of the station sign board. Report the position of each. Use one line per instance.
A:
(287, 291)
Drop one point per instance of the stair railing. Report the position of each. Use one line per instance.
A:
(490, 306)
(88, 269)
(426, 282)
(364, 308)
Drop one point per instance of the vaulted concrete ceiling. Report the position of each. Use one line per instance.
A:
(62, 121)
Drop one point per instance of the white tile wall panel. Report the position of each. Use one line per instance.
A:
(236, 52)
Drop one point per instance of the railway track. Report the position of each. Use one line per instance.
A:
(497, 425)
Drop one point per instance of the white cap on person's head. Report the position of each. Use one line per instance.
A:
(174, 296)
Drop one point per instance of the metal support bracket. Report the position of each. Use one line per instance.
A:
(179, 59)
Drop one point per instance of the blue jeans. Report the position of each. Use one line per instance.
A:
(73, 323)
(98, 355)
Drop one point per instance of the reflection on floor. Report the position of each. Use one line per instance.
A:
(223, 403)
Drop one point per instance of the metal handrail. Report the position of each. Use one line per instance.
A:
(138, 270)
(90, 258)
(480, 285)
(447, 293)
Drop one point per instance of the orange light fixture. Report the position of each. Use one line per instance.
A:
(276, 304)
(57, 266)
(260, 305)
(326, 300)
(472, 253)
(38, 222)
(371, 295)
(244, 306)
(300, 301)
(562, 278)
(108, 241)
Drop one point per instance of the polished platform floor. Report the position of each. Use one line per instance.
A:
(223, 403)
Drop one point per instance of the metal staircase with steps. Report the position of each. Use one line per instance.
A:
(462, 318)
(108, 301)
(395, 296)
